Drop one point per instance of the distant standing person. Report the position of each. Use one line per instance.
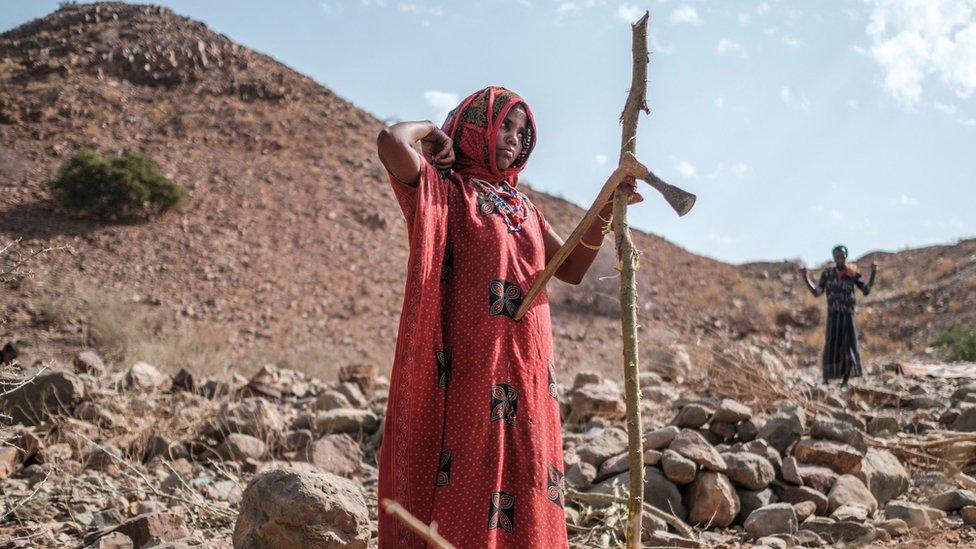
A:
(841, 357)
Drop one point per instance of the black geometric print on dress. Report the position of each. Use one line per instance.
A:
(444, 469)
(553, 386)
(504, 298)
(504, 403)
(444, 358)
(447, 268)
(485, 206)
(556, 486)
(501, 511)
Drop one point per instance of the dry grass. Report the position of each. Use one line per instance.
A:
(126, 331)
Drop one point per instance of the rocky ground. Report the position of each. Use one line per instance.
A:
(95, 456)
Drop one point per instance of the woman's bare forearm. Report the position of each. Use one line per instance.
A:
(578, 262)
(395, 147)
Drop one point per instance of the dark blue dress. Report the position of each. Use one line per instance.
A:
(841, 357)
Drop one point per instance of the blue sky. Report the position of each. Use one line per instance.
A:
(798, 124)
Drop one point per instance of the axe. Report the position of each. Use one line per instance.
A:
(681, 201)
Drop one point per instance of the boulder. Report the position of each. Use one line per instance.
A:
(143, 375)
(839, 431)
(592, 400)
(953, 500)
(331, 399)
(148, 528)
(783, 429)
(804, 510)
(894, 527)
(751, 471)
(238, 447)
(693, 416)
(883, 426)
(848, 490)
(289, 509)
(88, 362)
(850, 511)
(817, 477)
(842, 458)
(915, 515)
(776, 518)
(662, 493)
(884, 475)
(749, 429)
(966, 421)
(345, 420)
(795, 494)
(750, 500)
(839, 532)
(968, 515)
(607, 444)
(53, 392)
(678, 469)
(731, 411)
(335, 454)
(253, 416)
(712, 500)
(658, 439)
(692, 445)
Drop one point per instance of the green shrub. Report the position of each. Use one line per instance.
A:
(959, 343)
(119, 187)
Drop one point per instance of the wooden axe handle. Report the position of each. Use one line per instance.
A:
(629, 167)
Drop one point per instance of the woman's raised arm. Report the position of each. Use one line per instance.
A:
(395, 146)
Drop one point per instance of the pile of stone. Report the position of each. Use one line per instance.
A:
(776, 479)
(136, 458)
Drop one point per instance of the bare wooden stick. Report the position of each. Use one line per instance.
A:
(627, 258)
(629, 167)
(428, 533)
(679, 525)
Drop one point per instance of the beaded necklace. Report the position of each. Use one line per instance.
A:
(507, 200)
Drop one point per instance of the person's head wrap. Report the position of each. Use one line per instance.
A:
(473, 126)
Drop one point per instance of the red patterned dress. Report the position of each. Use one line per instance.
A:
(472, 437)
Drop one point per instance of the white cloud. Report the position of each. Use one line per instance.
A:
(330, 6)
(685, 14)
(786, 95)
(410, 7)
(686, 169)
(743, 18)
(852, 103)
(373, 2)
(661, 47)
(600, 159)
(831, 214)
(789, 99)
(913, 40)
(725, 46)
(739, 168)
(568, 7)
(443, 102)
(719, 102)
(629, 12)
(722, 238)
(792, 42)
(948, 109)
(905, 200)
(763, 8)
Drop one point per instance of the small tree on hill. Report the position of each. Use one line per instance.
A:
(117, 187)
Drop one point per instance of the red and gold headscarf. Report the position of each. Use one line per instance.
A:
(473, 126)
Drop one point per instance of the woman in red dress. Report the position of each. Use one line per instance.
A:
(472, 435)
